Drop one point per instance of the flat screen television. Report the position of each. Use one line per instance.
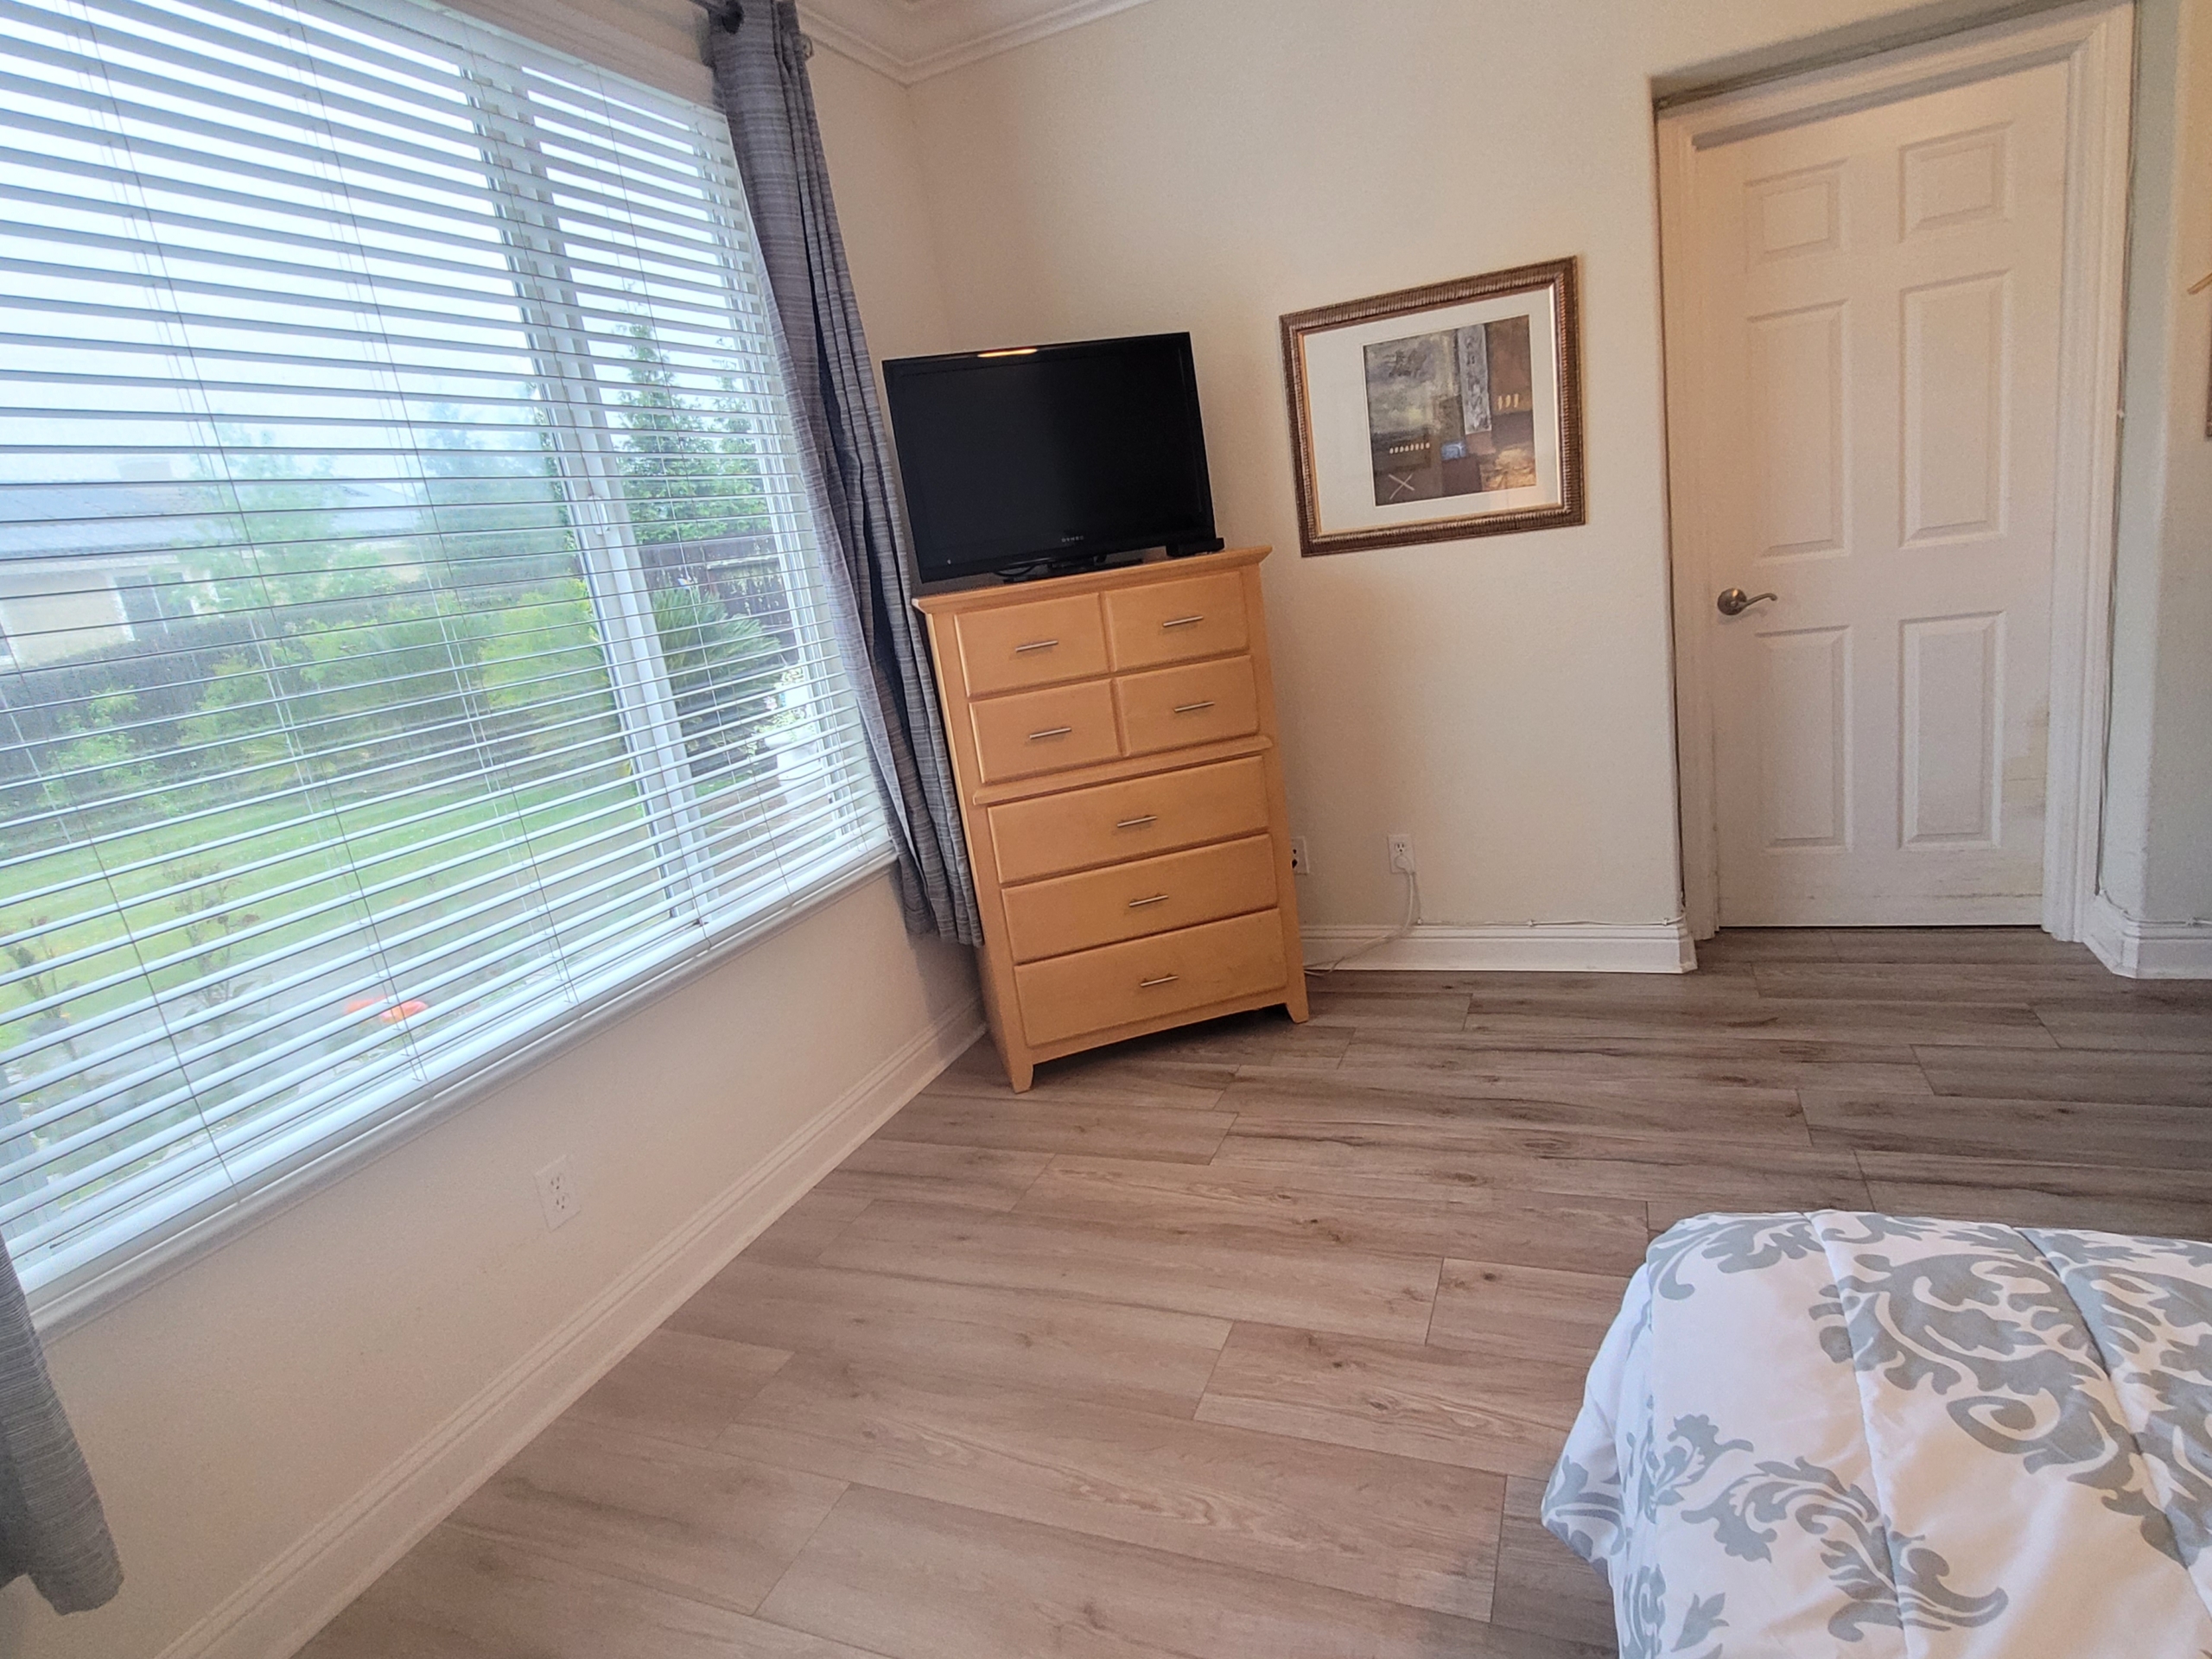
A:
(1050, 456)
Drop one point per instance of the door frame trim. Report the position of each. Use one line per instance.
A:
(2096, 44)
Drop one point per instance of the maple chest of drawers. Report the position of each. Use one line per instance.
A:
(1113, 737)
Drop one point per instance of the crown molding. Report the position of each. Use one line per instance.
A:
(825, 29)
(912, 39)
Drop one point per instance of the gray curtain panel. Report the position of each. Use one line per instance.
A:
(759, 63)
(50, 1521)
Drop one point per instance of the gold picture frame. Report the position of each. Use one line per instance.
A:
(1436, 413)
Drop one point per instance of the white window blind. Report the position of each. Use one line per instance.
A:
(412, 631)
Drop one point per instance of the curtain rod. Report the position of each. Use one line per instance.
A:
(716, 10)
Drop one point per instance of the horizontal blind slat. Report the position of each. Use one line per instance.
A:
(144, 64)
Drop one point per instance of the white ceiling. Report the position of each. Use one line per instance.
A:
(911, 40)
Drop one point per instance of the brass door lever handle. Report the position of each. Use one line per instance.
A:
(1734, 602)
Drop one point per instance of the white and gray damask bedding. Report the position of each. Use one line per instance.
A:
(1844, 1434)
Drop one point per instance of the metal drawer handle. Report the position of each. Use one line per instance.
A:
(1193, 708)
(1156, 898)
(1036, 645)
(1050, 731)
(1182, 621)
(1138, 824)
(1165, 979)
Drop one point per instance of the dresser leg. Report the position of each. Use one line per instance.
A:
(1020, 1073)
(1294, 1003)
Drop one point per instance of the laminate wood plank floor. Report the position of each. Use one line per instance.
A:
(1256, 1340)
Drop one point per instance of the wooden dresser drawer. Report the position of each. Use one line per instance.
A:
(1041, 643)
(1050, 835)
(1173, 707)
(1044, 731)
(1128, 901)
(1146, 979)
(1175, 621)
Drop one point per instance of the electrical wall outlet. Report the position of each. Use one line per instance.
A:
(1401, 853)
(556, 1193)
(1299, 863)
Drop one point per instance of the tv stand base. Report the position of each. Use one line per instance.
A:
(1042, 568)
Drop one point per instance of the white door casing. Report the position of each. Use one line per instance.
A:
(1893, 337)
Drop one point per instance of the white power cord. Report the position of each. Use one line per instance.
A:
(1404, 930)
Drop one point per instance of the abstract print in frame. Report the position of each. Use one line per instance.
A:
(1440, 412)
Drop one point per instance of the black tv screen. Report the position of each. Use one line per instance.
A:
(1049, 453)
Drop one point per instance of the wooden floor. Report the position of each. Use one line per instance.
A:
(1257, 1341)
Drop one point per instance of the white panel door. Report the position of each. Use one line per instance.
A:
(1877, 295)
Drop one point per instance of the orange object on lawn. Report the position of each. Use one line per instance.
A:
(392, 1015)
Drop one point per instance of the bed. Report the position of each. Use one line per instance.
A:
(1865, 1435)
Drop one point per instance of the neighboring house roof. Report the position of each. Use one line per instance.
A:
(159, 517)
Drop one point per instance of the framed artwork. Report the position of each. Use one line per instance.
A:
(1440, 412)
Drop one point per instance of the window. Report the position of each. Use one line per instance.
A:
(417, 632)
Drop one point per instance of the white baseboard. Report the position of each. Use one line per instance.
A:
(1536, 947)
(274, 1613)
(2141, 950)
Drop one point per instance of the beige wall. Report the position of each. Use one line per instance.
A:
(875, 164)
(1209, 165)
(2158, 846)
(229, 1409)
